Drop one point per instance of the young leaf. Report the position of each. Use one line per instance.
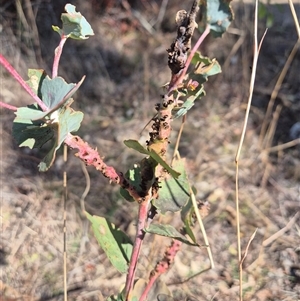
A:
(134, 144)
(67, 121)
(186, 216)
(48, 160)
(138, 147)
(141, 177)
(205, 67)
(36, 77)
(134, 177)
(33, 134)
(219, 15)
(75, 26)
(57, 93)
(174, 193)
(168, 231)
(116, 245)
(189, 103)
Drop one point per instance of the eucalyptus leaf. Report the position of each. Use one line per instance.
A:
(168, 231)
(33, 134)
(116, 245)
(68, 121)
(174, 193)
(75, 25)
(189, 103)
(141, 177)
(134, 144)
(36, 77)
(219, 15)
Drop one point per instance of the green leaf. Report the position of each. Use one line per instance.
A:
(164, 164)
(33, 128)
(174, 193)
(48, 160)
(68, 121)
(75, 26)
(168, 231)
(57, 93)
(116, 245)
(186, 216)
(218, 15)
(138, 147)
(205, 67)
(29, 113)
(36, 77)
(134, 144)
(189, 103)
(33, 134)
(141, 177)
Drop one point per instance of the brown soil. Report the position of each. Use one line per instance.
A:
(125, 67)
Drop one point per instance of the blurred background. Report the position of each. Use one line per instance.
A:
(125, 64)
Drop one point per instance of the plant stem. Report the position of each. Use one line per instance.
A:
(20, 80)
(7, 106)
(140, 234)
(91, 157)
(162, 266)
(57, 55)
(178, 78)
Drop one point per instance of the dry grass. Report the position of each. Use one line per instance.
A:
(125, 67)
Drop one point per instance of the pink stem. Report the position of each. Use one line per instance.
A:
(91, 157)
(162, 266)
(7, 106)
(20, 80)
(140, 234)
(57, 55)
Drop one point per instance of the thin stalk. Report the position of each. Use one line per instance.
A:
(65, 222)
(7, 106)
(199, 219)
(140, 234)
(13, 72)
(251, 88)
(57, 55)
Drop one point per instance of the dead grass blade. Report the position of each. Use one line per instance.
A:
(283, 146)
(263, 137)
(247, 247)
(251, 88)
(291, 4)
(281, 231)
(65, 154)
(263, 142)
(199, 219)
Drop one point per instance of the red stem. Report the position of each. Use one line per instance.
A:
(57, 55)
(162, 266)
(140, 234)
(91, 157)
(20, 80)
(7, 106)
